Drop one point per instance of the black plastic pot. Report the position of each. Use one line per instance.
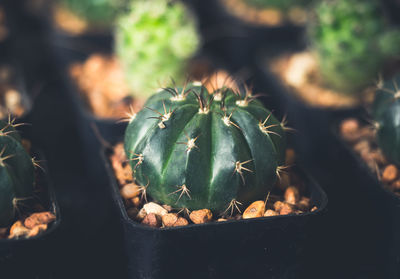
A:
(33, 257)
(275, 247)
(388, 202)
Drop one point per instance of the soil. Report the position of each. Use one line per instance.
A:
(362, 139)
(288, 197)
(264, 17)
(300, 73)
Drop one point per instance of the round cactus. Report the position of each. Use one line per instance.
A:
(154, 40)
(16, 172)
(386, 113)
(352, 40)
(96, 12)
(191, 149)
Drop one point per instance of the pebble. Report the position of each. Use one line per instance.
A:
(303, 204)
(256, 209)
(37, 229)
(350, 129)
(18, 230)
(292, 195)
(39, 218)
(389, 174)
(362, 146)
(135, 201)
(286, 209)
(173, 220)
(152, 220)
(278, 205)
(152, 207)
(270, 212)
(314, 208)
(130, 191)
(222, 220)
(201, 216)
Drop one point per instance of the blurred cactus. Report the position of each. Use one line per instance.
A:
(352, 40)
(16, 172)
(154, 41)
(386, 113)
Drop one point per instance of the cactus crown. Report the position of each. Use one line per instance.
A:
(352, 41)
(191, 149)
(16, 171)
(386, 113)
(153, 42)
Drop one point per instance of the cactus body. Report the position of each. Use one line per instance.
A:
(352, 41)
(386, 113)
(16, 172)
(199, 153)
(96, 12)
(154, 41)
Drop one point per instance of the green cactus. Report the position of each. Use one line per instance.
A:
(386, 113)
(16, 172)
(153, 42)
(352, 41)
(191, 149)
(96, 12)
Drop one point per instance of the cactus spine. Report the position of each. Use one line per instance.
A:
(386, 113)
(154, 41)
(16, 172)
(352, 41)
(191, 149)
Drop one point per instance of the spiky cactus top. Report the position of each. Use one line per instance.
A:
(16, 172)
(352, 40)
(97, 12)
(386, 113)
(154, 40)
(191, 149)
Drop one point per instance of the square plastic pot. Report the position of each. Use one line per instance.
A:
(273, 247)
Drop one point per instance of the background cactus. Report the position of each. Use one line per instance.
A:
(190, 149)
(154, 40)
(16, 172)
(96, 12)
(386, 113)
(352, 40)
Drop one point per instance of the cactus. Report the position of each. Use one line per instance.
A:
(352, 41)
(96, 12)
(153, 42)
(16, 172)
(386, 113)
(191, 149)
